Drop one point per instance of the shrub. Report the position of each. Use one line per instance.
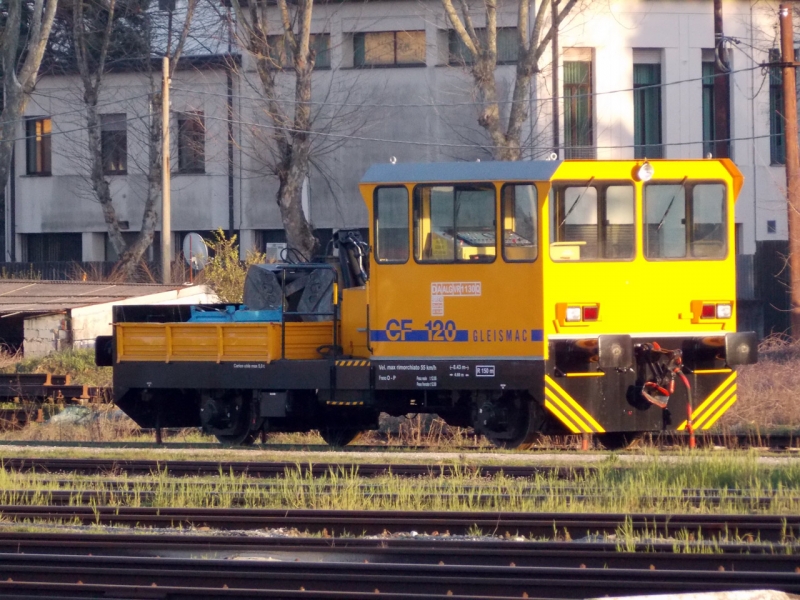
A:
(225, 272)
(79, 364)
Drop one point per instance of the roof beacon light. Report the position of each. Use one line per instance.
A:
(645, 172)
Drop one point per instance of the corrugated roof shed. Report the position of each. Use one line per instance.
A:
(25, 296)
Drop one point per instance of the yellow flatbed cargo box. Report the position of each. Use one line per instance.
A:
(220, 342)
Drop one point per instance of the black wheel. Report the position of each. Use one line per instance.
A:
(618, 440)
(514, 421)
(229, 418)
(247, 439)
(338, 436)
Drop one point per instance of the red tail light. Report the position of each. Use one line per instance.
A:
(590, 313)
(709, 311)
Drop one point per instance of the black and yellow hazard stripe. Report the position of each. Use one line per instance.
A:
(713, 407)
(352, 363)
(567, 410)
(344, 403)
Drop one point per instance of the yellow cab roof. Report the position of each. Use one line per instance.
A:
(524, 170)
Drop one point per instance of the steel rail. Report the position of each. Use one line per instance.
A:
(273, 469)
(79, 591)
(666, 440)
(737, 557)
(774, 528)
(441, 579)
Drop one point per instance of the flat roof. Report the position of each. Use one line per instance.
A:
(455, 172)
(34, 296)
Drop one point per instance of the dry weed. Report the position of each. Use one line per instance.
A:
(768, 391)
(100, 424)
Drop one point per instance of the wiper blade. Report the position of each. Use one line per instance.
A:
(574, 204)
(671, 202)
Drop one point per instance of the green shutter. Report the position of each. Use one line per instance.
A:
(578, 124)
(708, 108)
(507, 45)
(459, 54)
(358, 50)
(321, 45)
(647, 111)
(777, 141)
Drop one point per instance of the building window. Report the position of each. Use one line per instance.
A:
(772, 227)
(191, 143)
(281, 57)
(37, 145)
(777, 138)
(578, 108)
(389, 48)
(507, 46)
(114, 144)
(52, 247)
(647, 111)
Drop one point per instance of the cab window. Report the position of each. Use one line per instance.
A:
(685, 220)
(391, 224)
(454, 223)
(593, 222)
(520, 223)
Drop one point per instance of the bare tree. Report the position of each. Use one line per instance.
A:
(92, 35)
(20, 67)
(481, 44)
(291, 132)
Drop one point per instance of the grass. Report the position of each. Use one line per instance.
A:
(649, 485)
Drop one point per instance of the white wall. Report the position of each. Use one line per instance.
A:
(436, 122)
(78, 327)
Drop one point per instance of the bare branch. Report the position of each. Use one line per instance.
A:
(459, 27)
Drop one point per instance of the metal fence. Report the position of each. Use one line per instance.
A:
(72, 271)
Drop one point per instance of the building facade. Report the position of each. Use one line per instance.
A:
(635, 79)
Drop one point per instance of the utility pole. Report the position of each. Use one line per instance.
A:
(166, 216)
(554, 39)
(792, 159)
(722, 129)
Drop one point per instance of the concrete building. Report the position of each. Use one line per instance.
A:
(40, 317)
(390, 82)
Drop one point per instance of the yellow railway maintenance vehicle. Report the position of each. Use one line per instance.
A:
(520, 298)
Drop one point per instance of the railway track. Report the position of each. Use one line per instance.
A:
(126, 567)
(774, 442)
(661, 556)
(270, 469)
(338, 523)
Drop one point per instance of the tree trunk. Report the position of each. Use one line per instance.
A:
(132, 257)
(9, 117)
(100, 186)
(299, 235)
(20, 79)
(506, 138)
